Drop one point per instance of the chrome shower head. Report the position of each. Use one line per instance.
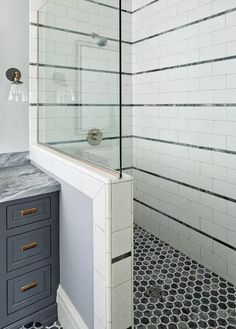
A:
(101, 41)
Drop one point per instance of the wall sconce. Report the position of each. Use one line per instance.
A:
(18, 91)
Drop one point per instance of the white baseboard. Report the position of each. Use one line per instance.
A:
(68, 316)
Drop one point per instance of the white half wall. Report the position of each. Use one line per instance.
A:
(110, 238)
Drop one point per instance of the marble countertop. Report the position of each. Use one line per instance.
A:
(24, 180)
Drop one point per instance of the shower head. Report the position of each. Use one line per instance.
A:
(101, 41)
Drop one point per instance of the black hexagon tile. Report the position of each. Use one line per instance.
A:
(56, 325)
(38, 325)
(172, 291)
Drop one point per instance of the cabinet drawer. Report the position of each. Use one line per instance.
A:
(28, 289)
(27, 248)
(28, 212)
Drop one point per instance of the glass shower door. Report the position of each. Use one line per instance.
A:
(79, 86)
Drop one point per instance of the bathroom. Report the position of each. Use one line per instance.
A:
(118, 164)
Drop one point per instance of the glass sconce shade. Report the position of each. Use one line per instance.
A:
(18, 92)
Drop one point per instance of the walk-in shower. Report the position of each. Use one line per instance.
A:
(176, 83)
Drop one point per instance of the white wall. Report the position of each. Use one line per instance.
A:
(185, 126)
(76, 249)
(14, 53)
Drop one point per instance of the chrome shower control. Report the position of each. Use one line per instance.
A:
(95, 137)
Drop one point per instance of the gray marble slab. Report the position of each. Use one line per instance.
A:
(24, 181)
(13, 159)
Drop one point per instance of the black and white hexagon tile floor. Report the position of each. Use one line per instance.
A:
(172, 291)
(56, 325)
(37, 325)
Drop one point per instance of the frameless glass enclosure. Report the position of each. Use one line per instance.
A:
(79, 79)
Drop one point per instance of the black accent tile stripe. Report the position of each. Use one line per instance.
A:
(56, 28)
(136, 10)
(206, 148)
(85, 140)
(121, 257)
(124, 10)
(141, 105)
(183, 105)
(67, 142)
(184, 25)
(199, 147)
(186, 185)
(77, 68)
(187, 225)
(124, 168)
(208, 61)
(144, 6)
(109, 6)
(71, 104)
(127, 168)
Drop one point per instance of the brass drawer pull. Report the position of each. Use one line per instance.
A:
(29, 246)
(29, 286)
(29, 211)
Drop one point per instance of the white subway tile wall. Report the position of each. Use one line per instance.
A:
(184, 126)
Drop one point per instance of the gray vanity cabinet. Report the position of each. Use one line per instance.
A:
(29, 260)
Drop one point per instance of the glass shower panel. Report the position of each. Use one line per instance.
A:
(79, 79)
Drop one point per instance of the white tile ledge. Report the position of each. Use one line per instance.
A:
(102, 174)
